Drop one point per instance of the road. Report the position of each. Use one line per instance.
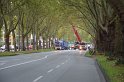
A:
(54, 66)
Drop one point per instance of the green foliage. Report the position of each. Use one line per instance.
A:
(114, 72)
(0, 33)
(53, 18)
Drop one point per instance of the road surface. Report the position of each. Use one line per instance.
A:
(54, 66)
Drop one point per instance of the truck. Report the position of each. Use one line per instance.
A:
(61, 45)
(78, 44)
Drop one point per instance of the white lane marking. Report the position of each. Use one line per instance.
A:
(43, 58)
(20, 64)
(66, 61)
(57, 66)
(2, 64)
(50, 70)
(38, 78)
(46, 56)
(62, 63)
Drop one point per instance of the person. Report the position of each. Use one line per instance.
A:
(91, 51)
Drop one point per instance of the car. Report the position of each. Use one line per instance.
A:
(30, 46)
(72, 47)
(82, 47)
(2, 50)
(11, 47)
(3, 47)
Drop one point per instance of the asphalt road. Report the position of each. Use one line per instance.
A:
(55, 66)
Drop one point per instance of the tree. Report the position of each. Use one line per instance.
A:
(118, 7)
(7, 9)
(100, 20)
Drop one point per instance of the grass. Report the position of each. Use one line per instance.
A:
(24, 52)
(114, 72)
(7, 54)
(87, 54)
(35, 51)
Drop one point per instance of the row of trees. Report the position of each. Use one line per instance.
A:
(104, 21)
(41, 18)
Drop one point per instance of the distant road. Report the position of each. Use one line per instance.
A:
(54, 66)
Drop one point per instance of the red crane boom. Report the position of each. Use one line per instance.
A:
(76, 33)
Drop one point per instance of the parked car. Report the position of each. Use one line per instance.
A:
(72, 47)
(11, 47)
(2, 48)
(82, 47)
(30, 47)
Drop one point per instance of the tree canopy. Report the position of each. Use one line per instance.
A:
(99, 20)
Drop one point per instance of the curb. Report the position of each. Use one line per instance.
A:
(100, 68)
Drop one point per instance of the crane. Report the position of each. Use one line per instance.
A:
(80, 45)
(76, 34)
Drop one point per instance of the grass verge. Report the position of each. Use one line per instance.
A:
(8, 54)
(114, 72)
(35, 51)
(87, 54)
(24, 52)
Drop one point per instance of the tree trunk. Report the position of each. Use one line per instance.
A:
(6, 35)
(37, 39)
(34, 38)
(122, 27)
(7, 42)
(40, 44)
(110, 41)
(23, 38)
(27, 42)
(19, 38)
(52, 43)
(100, 41)
(119, 42)
(44, 43)
(49, 42)
(118, 6)
(23, 43)
(37, 46)
(34, 42)
(14, 41)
